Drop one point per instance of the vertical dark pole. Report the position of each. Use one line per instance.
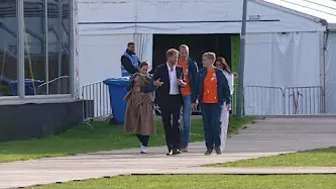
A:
(20, 49)
(240, 101)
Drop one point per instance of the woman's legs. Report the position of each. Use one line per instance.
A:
(144, 143)
(140, 138)
(224, 125)
(143, 139)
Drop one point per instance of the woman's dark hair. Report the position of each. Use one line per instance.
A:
(225, 65)
(143, 64)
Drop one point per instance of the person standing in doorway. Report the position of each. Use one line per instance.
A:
(213, 93)
(129, 61)
(223, 65)
(168, 78)
(139, 118)
(190, 70)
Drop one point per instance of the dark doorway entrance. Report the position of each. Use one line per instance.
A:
(198, 44)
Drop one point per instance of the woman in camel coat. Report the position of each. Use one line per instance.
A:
(139, 112)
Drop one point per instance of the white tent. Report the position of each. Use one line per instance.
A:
(289, 60)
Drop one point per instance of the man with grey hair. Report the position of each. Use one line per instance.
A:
(190, 71)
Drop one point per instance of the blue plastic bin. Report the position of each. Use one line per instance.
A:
(118, 90)
(29, 86)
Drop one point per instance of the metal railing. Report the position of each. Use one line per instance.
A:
(96, 101)
(304, 100)
(260, 100)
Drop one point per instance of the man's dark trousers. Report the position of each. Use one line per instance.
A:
(171, 112)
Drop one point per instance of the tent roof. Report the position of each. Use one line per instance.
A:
(315, 9)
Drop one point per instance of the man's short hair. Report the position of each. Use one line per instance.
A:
(184, 46)
(210, 56)
(130, 44)
(171, 52)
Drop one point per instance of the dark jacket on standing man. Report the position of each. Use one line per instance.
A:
(127, 63)
(161, 72)
(223, 89)
(193, 79)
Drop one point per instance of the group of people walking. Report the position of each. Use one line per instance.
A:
(179, 84)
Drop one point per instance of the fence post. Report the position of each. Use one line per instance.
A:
(283, 91)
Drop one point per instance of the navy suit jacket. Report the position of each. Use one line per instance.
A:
(163, 92)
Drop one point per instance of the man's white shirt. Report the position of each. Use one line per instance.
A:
(173, 90)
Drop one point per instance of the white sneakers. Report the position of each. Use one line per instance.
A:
(143, 149)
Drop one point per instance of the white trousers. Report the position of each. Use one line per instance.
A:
(224, 126)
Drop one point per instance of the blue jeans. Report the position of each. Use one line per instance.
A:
(212, 124)
(186, 129)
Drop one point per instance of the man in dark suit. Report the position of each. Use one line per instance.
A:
(169, 80)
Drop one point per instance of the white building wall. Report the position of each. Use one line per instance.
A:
(116, 16)
(114, 24)
(282, 50)
(276, 62)
(330, 75)
(99, 56)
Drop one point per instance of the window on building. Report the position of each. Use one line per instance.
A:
(47, 40)
(8, 48)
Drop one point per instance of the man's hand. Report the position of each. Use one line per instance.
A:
(180, 82)
(193, 106)
(228, 107)
(158, 83)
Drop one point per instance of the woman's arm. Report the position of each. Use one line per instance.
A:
(133, 82)
(149, 88)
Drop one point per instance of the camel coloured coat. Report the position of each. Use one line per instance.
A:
(139, 118)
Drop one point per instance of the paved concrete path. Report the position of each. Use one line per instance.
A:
(264, 138)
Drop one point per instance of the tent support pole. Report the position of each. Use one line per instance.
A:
(240, 100)
(323, 45)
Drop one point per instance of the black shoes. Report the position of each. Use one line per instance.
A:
(176, 152)
(173, 152)
(218, 151)
(170, 153)
(208, 152)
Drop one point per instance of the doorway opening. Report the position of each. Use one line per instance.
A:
(225, 45)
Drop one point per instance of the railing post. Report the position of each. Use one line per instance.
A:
(283, 91)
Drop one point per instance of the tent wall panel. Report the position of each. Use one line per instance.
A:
(330, 74)
(99, 56)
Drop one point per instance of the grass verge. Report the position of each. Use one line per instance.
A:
(204, 181)
(103, 137)
(314, 158)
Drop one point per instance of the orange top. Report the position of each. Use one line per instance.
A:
(185, 90)
(210, 87)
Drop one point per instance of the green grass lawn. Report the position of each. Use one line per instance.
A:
(314, 158)
(81, 139)
(204, 182)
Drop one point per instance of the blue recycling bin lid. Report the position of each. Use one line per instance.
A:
(118, 81)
